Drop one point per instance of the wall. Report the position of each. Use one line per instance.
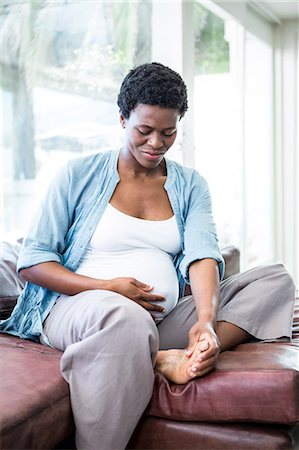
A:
(286, 145)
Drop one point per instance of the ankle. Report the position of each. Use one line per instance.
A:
(161, 356)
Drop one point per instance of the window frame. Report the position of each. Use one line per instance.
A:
(281, 36)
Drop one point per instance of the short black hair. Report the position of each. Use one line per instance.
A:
(152, 84)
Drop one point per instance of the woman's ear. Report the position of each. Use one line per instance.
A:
(122, 120)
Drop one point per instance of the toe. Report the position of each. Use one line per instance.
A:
(203, 345)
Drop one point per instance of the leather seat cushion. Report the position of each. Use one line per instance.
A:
(153, 433)
(256, 382)
(35, 408)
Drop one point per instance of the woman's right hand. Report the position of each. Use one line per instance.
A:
(54, 276)
(137, 291)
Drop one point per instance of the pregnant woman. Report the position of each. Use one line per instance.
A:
(106, 260)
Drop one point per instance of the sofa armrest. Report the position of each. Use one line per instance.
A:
(231, 255)
(11, 283)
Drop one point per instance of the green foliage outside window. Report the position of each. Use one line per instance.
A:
(211, 48)
(78, 48)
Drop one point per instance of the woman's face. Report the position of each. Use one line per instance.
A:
(150, 132)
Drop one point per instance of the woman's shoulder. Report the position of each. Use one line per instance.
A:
(79, 172)
(90, 163)
(187, 175)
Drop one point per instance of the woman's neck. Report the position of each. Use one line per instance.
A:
(129, 167)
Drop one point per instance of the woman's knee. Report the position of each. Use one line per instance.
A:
(121, 310)
(273, 280)
(285, 279)
(127, 320)
(279, 274)
(133, 314)
(75, 318)
(276, 273)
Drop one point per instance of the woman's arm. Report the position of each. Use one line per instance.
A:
(54, 276)
(204, 279)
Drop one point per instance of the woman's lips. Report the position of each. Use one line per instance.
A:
(152, 156)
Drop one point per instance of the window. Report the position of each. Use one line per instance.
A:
(258, 150)
(61, 64)
(233, 132)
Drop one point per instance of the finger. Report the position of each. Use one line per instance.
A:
(143, 286)
(154, 318)
(153, 298)
(144, 295)
(191, 346)
(148, 298)
(209, 353)
(150, 306)
(213, 350)
(203, 345)
(203, 372)
(189, 351)
(199, 367)
(207, 347)
(205, 356)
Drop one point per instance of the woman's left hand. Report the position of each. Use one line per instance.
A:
(203, 348)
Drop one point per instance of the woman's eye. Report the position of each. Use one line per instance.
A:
(143, 132)
(169, 134)
(166, 134)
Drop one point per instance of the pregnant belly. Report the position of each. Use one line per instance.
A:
(151, 267)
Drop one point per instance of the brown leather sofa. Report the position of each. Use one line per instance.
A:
(250, 401)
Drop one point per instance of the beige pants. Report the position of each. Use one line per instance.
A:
(110, 346)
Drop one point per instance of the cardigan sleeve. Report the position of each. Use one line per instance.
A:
(200, 237)
(45, 239)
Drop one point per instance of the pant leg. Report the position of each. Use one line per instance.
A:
(174, 328)
(260, 301)
(110, 345)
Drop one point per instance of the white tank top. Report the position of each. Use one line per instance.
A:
(126, 246)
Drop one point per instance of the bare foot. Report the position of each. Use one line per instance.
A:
(177, 366)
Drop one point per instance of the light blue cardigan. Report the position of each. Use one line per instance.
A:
(70, 212)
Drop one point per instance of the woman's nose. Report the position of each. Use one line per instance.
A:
(155, 140)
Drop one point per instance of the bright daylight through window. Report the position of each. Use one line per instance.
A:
(233, 138)
(62, 63)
